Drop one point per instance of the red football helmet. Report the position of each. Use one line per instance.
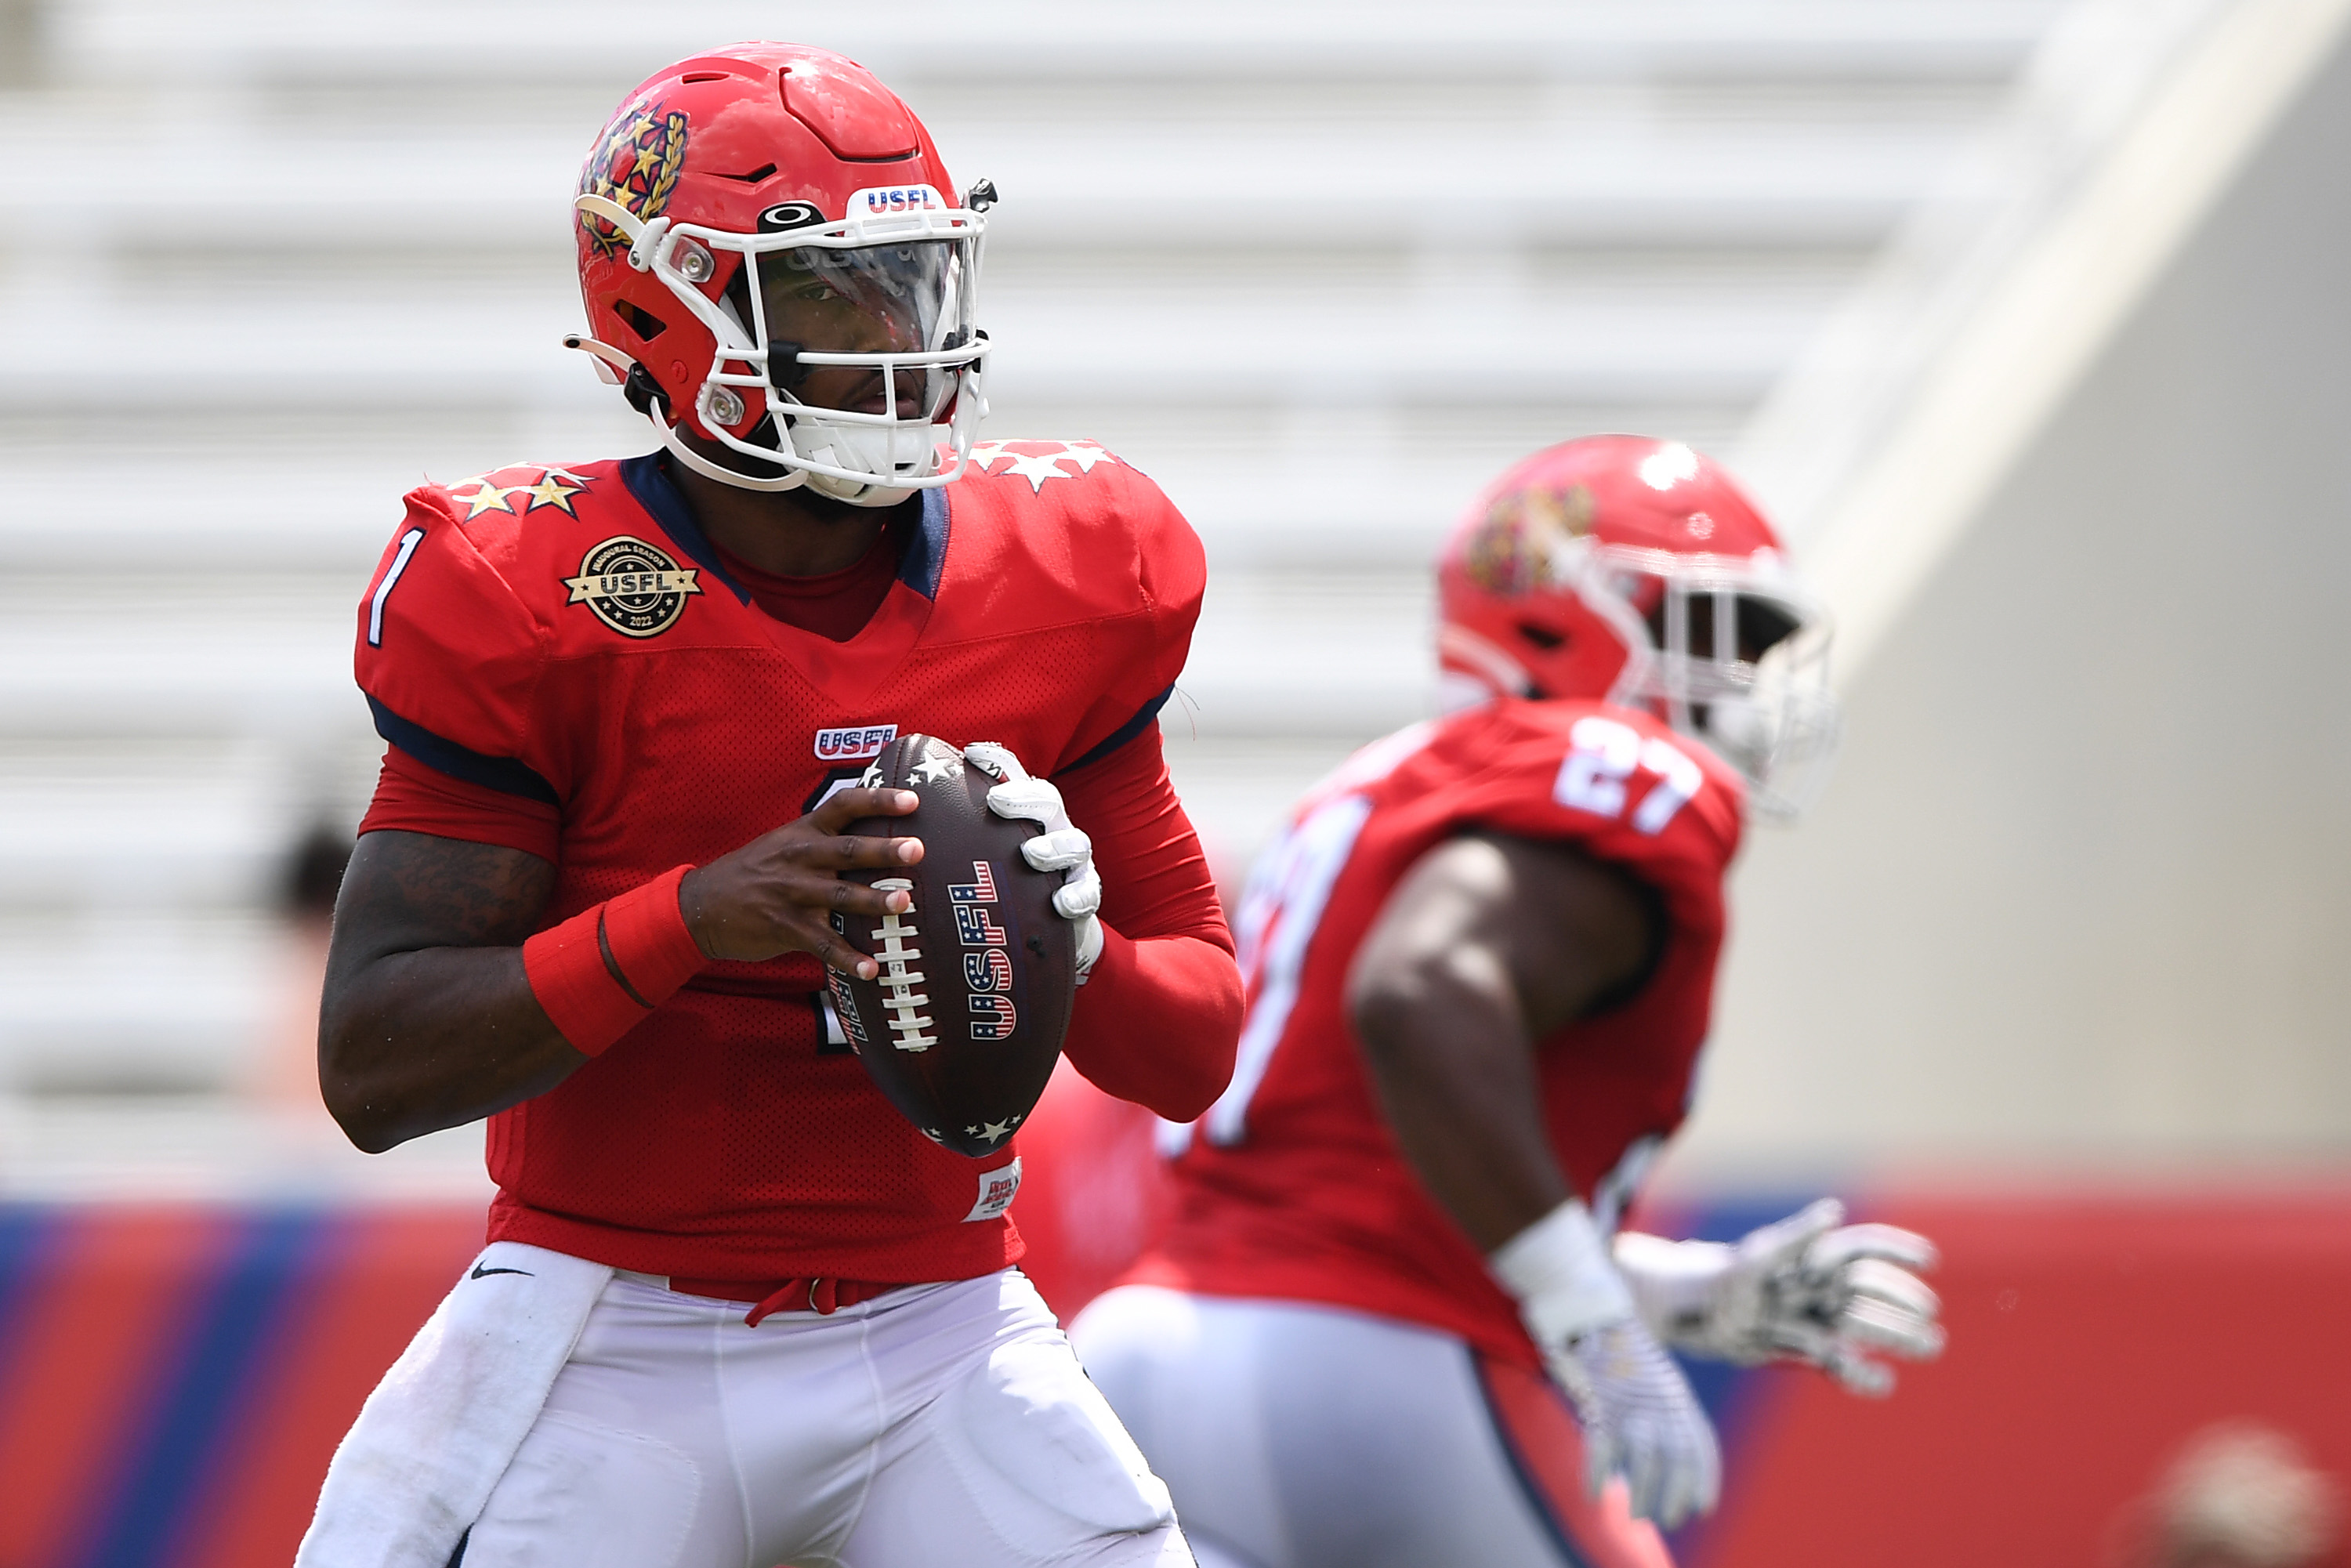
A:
(1631, 571)
(773, 259)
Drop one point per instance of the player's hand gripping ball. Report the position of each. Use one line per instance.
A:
(962, 1026)
(1057, 845)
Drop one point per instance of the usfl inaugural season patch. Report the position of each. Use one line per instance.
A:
(634, 588)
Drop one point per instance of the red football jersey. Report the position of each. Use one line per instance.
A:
(568, 635)
(1293, 1186)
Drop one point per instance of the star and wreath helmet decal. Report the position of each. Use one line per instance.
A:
(1511, 551)
(636, 166)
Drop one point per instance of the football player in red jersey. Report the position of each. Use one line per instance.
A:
(735, 1309)
(1386, 1325)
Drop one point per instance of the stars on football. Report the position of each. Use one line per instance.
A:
(555, 487)
(1038, 461)
(993, 1132)
(936, 770)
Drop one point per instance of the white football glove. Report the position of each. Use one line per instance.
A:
(1637, 1413)
(1807, 1288)
(1060, 847)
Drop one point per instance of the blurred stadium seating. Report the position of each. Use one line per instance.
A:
(1317, 271)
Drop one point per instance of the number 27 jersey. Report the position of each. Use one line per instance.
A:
(1291, 1187)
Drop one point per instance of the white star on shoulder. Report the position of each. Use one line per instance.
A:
(1086, 454)
(1038, 466)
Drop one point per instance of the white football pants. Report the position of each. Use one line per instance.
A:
(1298, 1436)
(937, 1426)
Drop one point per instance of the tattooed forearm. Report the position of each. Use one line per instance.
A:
(413, 890)
(427, 1019)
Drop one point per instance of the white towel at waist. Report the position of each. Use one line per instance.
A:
(416, 1467)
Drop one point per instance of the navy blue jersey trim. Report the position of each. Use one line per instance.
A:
(926, 554)
(922, 558)
(648, 480)
(1124, 732)
(504, 774)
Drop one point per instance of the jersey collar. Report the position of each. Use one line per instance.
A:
(648, 480)
(850, 673)
(647, 477)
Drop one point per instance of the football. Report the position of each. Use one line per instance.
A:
(961, 1028)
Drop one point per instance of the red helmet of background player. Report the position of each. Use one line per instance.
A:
(760, 190)
(1625, 570)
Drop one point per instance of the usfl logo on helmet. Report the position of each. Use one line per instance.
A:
(635, 165)
(1511, 551)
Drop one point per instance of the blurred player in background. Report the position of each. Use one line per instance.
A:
(1388, 1325)
(735, 1309)
(2239, 1494)
(286, 1075)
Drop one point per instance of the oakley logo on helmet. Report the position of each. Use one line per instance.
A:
(635, 165)
(790, 216)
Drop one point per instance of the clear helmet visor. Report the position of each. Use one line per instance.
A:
(1739, 663)
(868, 332)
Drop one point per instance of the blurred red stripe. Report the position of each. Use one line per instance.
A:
(380, 1275)
(97, 1342)
(2090, 1337)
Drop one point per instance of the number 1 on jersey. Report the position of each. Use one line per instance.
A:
(408, 543)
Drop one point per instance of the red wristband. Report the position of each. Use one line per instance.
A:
(575, 988)
(647, 933)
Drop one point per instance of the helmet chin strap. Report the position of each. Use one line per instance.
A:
(614, 366)
(824, 484)
(790, 479)
(820, 441)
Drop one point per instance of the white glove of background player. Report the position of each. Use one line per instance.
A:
(1806, 1287)
(1638, 1415)
(1060, 847)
